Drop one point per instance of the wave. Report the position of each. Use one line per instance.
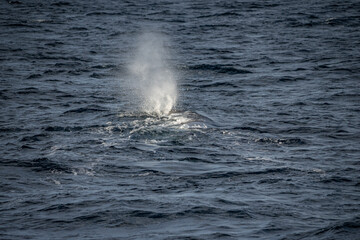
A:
(219, 84)
(62, 129)
(89, 109)
(281, 141)
(61, 3)
(336, 179)
(223, 14)
(219, 69)
(30, 90)
(34, 138)
(230, 174)
(345, 229)
(12, 25)
(44, 164)
(101, 13)
(11, 129)
(250, 129)
(32, 76)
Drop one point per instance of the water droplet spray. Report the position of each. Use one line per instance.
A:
(152, 78)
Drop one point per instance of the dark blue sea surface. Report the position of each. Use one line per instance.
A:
(263, 143)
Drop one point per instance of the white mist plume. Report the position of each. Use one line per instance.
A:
(153, 80)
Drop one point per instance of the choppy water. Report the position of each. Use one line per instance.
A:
(263, 142)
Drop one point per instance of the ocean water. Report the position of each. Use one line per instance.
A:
(180, 119)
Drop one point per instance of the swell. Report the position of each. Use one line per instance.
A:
(345, 229)
(223, 14)
(289, 141)
(235, 174)
(38, 165)
(130, 216)
(88, 109)
(218, 69)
